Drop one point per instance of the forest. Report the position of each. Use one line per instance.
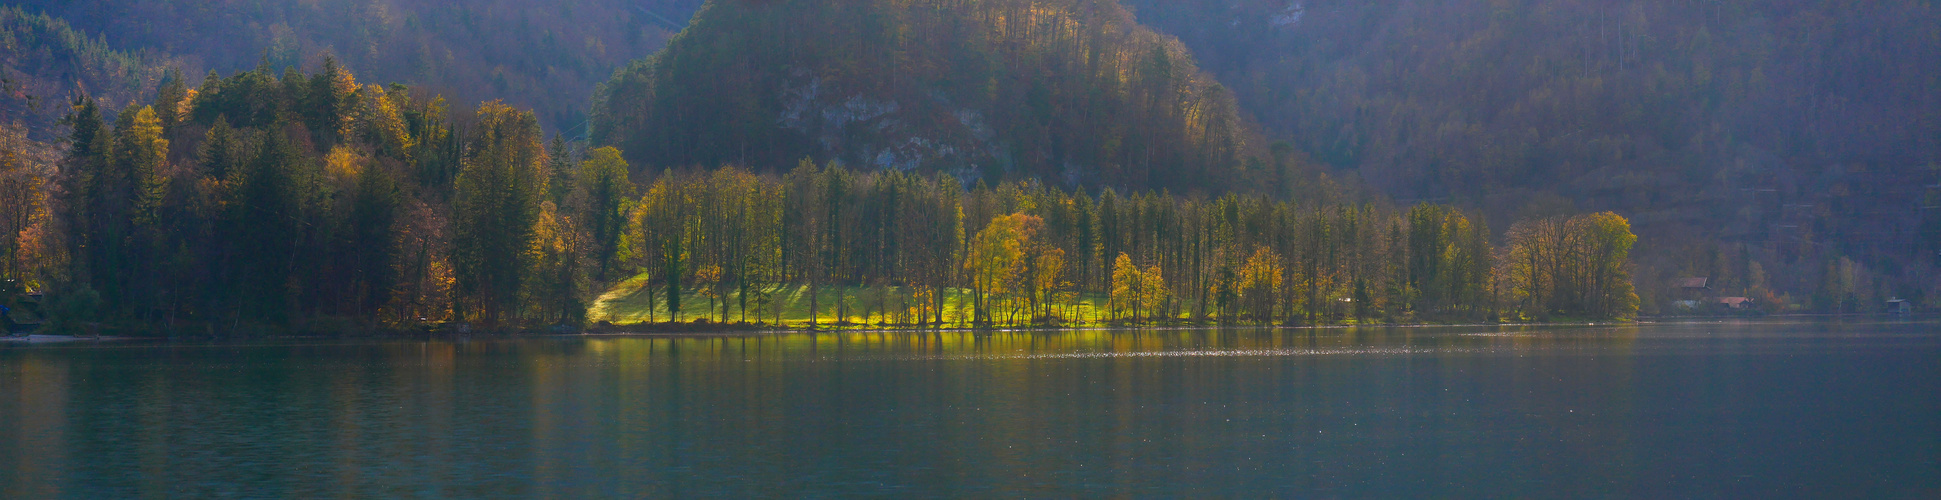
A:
(1074, 93)
(43, 60)
(293, 202)
(542, 56)
(1790, 151)
(1784, 152)
(913, 249)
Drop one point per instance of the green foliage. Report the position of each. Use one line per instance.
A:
(371, 243)
(278, 202)
(605, 196)
(265, 229)
(73, 312)
(1448, 261)
(1789, 131)
(894, 248)
(495, 208)
(271, 224)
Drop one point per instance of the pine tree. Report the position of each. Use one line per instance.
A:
(496, 205)
(265, 229)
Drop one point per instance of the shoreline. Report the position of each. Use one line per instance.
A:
(629, 331)
(62, 339)
(732, 330)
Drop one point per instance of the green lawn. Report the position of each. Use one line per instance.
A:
(627, 303)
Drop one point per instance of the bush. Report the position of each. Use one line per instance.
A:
(71, 311)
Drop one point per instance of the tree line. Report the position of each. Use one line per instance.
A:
(919, 249)
(266, 202)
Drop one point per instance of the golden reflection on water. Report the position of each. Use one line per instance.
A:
(996, 385)
(435, 409)
(1111, 343)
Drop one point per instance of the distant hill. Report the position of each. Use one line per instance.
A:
(1068, 91)
(44, 62)
(1797, 133)
(547, 56)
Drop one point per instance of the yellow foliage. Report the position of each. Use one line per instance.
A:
(380, 122)
(343, 164)
(186, 106)
(997, 252)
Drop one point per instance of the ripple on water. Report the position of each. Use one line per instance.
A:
(1203, 353)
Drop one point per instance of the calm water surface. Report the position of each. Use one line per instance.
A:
(1760, 409)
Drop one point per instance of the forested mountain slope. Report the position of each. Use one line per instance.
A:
(1798, 133)
(542, 55)
(1788, 150)
(44, 61)
(1068, 91)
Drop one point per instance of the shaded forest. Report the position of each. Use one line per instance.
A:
(1788, 150)
(44, 61)
(1069, 92)
(544, 56)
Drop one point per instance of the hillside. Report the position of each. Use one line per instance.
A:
(1791, 136)
(1068, 91)
(1788, 150)
(44, 62)
(546, 56)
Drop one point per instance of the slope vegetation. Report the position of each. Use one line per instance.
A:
(1798, 136)
(44, 62)
(1069, 91)
(546, 56)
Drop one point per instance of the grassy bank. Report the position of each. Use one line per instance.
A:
(633, 302)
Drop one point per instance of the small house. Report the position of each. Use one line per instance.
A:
(1900, 306)
(1691, 288)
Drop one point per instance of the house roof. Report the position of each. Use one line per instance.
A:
(1690, 282)
(1732, 300)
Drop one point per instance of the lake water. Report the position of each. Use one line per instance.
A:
(1741, 409)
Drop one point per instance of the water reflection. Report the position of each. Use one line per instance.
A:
(33, 402)
(1706, 409)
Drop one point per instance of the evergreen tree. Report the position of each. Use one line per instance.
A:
(265, 229)
(496, 204)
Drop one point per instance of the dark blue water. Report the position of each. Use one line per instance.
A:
(1827, 409)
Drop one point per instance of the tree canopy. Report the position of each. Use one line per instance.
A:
(1067, 91)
